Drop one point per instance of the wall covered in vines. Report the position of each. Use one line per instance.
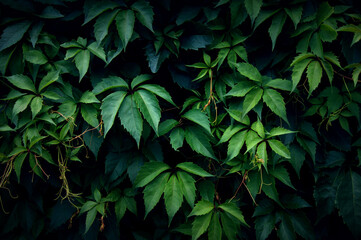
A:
(157, 119)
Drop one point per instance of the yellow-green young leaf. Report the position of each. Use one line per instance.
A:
(201, 208)
(18, 162)
(125, 25)
(233, 210)
(35, 57)
(21, 104)
(235, 145)
(251, 99)
(144, 13)
(13, 34)
(131, 118)
(198, 117)
(153, 192)
(109, 83)
(90, 217)
(188, 187)
(298, 70)
(200, 225)
(199, 142)
(173, 197)
(276, 27)
(102, 25)
(279, 148)
(159, 91)
(253, 7)
(22, 82)
(274, 101)
(177, 138)
(215, 229)
(48, 79)
(36, 105)
(249, 71)
(110, 107)
(82, 60)
(194, 169)
(149, 106)
(148, 172)
(314, 75)
(97, 51)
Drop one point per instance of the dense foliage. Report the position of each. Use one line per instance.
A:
(157, 119)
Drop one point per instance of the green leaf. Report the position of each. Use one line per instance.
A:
(251, 99)
(35, 106)
(13, 34)
(233, 210)
(177, 138)
(229, 226)
(88, 97)
(166, 126)
(97, 51)
(188, 187)
(279, 148)
(297, 72)
(277, 131)
(235, 145)
(194, 169)
(274, 101)
(149, 106)
(230, 131)
(18, 162)
(125, 25)
(130, 118)
(35, 57)
(295, 13)
(144, 13)
(199, 142)
(90, 217)
(269, 188)
(109, 83)
(264, 226)
(22, 82)
(110, 107)
(324, 12)
(276, 27)
(314, 75)
(215, 229)
(48, 79)
(159, 91)
(153, 192)
(21, 104)
(173, 197)
(286, 230)
(262, 153)
(282, 174)
(120, 208)
(102, 25)
(198, 117)
(87, 206)
(258, 128)
(241, 89)
(327, 33)
(252, 139)
(349, 201)
(253, 7)
(316, 45)
(94, 9)
(292, 201)
(201, 208)
(82, 60)
(148, 172)
(140, 79)
(249, 71)
(200, 225)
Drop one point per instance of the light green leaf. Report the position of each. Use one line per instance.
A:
(48, 79)
(144, 13)
(177, 138)
(110, 107)
(97, 51)
(188, 187)
(198, 117)
(199, 142)
(233, 210)
(173, 197)
(249, 71)
(314, 75)
(262, 153)
(36, 105)
(125, 25)
(349, 201)
(215, 229)
(21, 104)
(109, 83)
(13, 34)
(130, 118)
(140, 79)
(282, 174)
(200, 225)
(277, 131)
(90, 217)
(22, 82)
(201, 208)
(194, 169)
(252, 139)
(148, 172)
(88, 97)
(253, 7)
(258, 128)
(35, 57)
(230, 131)
(241, 89)
(276, 27)
(153, 192)
(251, 99)
(149, 106)
(235, 145)
(159, 91)
(274, 101)
(102, 25)
(279, 148)
(82, 60)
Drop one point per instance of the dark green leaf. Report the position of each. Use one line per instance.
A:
(110, 107)
(22, 82)
(177, 138)
(125, 25)
(13, 34)
(198, 117)
(199, 142)
(148, 172)
(144, 13)
(82, 60)
(188, 187)
(173, 197)
(200, 225)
